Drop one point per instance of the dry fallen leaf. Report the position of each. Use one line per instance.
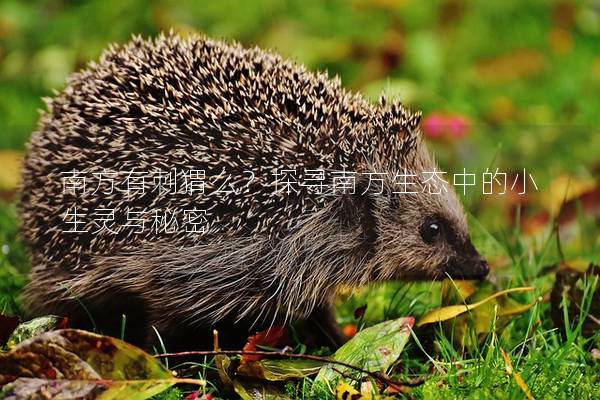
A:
(71, 363)
(449, 312)
(517, 376)
(276, 336)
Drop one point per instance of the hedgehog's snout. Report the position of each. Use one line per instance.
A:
(477, 268)
(480, 268)
(468, 264)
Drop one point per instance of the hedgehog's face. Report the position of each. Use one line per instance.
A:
(423, 236)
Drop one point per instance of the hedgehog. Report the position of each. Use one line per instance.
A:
(265, 256)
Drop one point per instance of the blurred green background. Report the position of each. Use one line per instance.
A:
(526, 74)
(522, 78)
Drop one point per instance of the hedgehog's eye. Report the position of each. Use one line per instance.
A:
(430, 231)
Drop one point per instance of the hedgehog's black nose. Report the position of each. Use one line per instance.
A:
(469, 268)
(482, 268)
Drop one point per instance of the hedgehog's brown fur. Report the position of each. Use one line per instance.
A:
(199, 104)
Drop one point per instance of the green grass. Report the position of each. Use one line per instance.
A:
(13, 263)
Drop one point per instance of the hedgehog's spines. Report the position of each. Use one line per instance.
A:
(200, 104)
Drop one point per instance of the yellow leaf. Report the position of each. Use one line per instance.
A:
(507, 363)
(514, 308)
(457, 290)
(10, 173)
(579, 264)
(345, 391)
(517, 376)
(564, 188)
(446, 313)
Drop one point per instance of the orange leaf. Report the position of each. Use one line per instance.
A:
(276, 336)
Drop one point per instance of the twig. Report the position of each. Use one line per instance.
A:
(376, 375)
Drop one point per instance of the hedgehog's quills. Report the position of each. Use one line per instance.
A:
(199, 104)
